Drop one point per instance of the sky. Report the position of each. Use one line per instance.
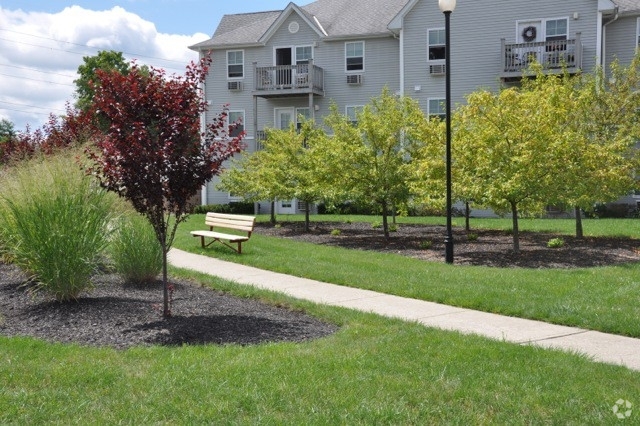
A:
(42, 43)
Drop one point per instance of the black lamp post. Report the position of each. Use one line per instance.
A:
(447, 6)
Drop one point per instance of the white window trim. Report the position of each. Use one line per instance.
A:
(295, 52)
(432, 114)
(364, 49)
(637, 33)
(564, 18)
(298, 114)
(543, 24)
(244, 118)
(243, 66)
(435, 61)
(357, 109)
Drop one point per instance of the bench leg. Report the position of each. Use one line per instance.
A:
(239, 247)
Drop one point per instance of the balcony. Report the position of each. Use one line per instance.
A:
(553, 55)
(281, 81)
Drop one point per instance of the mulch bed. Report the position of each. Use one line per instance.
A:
(492, 248)
(121, 315)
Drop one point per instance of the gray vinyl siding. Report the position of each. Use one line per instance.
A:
(620, 40)
(476, 30)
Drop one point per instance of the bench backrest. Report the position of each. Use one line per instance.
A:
(230, 221)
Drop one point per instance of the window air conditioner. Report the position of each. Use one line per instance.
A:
(354, 79)
(437, 69)
(234, 86)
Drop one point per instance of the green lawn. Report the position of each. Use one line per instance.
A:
(605, 299)
(372, 371)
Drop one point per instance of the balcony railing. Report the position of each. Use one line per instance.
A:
(287, 80)
(552, 55)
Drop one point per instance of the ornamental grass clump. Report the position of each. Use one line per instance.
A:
(134, 250)
(55, 224)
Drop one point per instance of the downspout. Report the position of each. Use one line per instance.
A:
(602, 35)
(402, 61)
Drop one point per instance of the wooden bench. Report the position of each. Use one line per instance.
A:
(226, 221)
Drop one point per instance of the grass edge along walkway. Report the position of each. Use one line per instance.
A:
(605, 299)
(598, 346)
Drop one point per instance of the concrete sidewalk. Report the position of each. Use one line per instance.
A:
(601, 347)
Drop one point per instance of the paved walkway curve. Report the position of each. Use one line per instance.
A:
(602, 347)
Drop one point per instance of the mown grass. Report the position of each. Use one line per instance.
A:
(605, 298)
(372, 371)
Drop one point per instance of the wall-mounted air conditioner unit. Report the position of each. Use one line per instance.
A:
(437, 69)
(234, 86)
(354, 79)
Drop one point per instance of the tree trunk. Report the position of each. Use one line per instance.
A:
(166, 311)
(306, 216)
(516, 232)
(467, 215)
(273, 212)
(579, 230)
(385, 221)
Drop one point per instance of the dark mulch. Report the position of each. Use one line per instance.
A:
(122, 315)
(492, 248)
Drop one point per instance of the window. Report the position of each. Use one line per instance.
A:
(303, 54)
(638, 33)
(352, 112)
(354, 53)
(556, 29)
(235, 121)
(302, 114)
(235, 64)
(437, 108)
(437, 47)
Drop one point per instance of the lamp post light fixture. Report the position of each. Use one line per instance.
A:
(446, 7)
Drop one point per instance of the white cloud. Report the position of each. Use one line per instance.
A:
(40, 54)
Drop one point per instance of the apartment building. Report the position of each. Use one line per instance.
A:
(273, 67)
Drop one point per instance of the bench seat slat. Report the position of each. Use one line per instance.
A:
(226, 221)
(213, 234)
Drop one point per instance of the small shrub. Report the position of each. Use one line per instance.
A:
(335, 232)
(135, 251)
(426, 245)
(56, 223)
(393, 227)
(376, 225)
(472, 237)
(555, 243)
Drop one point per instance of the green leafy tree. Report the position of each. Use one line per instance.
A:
(285, 168)
(7, 130)
(105, 60)
(505, 151)
(373, 157)
(600, 133)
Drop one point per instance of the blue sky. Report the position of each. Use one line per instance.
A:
(42, 43)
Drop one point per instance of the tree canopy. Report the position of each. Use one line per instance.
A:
(105, 60)
(152, 152)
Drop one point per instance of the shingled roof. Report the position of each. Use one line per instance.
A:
(334, 18)
(628, 6)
